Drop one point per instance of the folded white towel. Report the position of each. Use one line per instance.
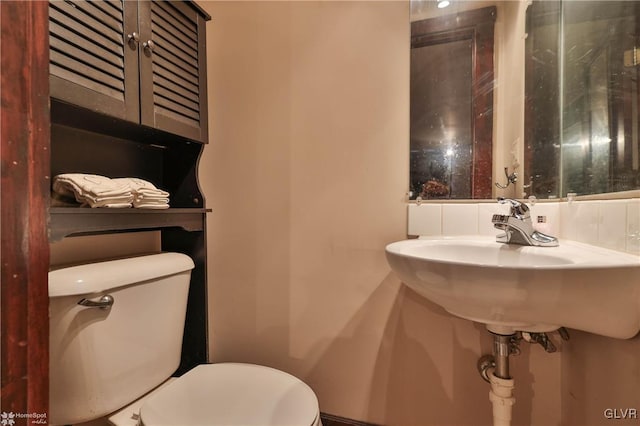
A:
(101, 191)
(137, 183)
(112, 202)
(94, 185)
(151, 206)
(145, 203)
(145, 194)
(160, 198)
(151, 193)
(93, 190)
(141, 186)
(111, 205)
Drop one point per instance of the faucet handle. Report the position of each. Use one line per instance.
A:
(514, 203)
(518, 209)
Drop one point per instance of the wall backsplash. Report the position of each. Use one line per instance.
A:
(614, 224)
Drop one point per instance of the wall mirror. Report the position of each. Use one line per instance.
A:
(452, 78)
(546, 89)
(582, 91)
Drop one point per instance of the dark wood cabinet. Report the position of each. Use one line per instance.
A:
(144, 62)
(173, 68)
(96, 99)
(90, 64)
(128, 99)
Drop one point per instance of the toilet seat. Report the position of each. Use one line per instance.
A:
(232, 394)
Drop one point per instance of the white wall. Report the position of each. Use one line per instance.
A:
(306, 174)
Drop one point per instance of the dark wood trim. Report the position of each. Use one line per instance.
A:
(482, 185)
(200, 10)
(447, 23)
(77, 117)
(202, 69)
(70, 221)
(24, 124)
(478, 26)
(195, 346)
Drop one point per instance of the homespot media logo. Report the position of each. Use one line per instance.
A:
(620, 413)
(9, 419)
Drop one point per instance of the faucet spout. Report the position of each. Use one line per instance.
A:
(518, 228)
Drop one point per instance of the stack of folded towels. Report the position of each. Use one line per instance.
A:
(101, 191)
(145, 194)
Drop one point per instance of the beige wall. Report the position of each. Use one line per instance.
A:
(306, 174)
(599, 373)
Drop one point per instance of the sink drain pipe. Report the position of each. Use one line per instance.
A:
(501, 397)
(495, 369)
(501, 392)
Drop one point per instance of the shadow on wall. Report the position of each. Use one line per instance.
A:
(425, 370)
(601, 380)
(420, 376)
(412, 384)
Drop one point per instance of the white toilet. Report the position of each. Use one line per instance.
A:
(115, 339)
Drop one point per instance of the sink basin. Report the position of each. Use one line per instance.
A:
(521, 288)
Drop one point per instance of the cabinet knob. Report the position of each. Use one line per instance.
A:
(133, 39)
(148, 46)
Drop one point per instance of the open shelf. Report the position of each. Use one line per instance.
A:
(67, 221)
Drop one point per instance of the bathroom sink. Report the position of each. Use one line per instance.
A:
(524, 288)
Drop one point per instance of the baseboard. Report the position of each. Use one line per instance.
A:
(331, 420)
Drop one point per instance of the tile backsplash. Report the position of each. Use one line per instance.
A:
(633, 226)
(613, 224)
(459, 219)
(425, 219)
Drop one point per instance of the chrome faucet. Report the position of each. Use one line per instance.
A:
(518, 228)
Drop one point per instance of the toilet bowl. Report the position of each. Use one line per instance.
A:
(227, 394)
(107, 354)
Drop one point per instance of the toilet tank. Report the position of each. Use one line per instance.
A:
(103, 358)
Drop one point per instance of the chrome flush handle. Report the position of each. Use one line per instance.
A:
(105, 302)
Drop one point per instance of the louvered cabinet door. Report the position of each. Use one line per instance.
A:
(173, 85)
(92, 63)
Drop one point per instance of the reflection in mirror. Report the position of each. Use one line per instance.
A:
(441, 119)
(452, 80)
(581, 121)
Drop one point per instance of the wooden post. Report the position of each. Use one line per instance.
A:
(24, 197)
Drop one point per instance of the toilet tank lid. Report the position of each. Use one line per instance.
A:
(103, 276)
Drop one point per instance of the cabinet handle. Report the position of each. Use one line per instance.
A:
(133, 39)
(148, 46)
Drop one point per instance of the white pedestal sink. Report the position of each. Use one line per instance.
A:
(522, 288)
